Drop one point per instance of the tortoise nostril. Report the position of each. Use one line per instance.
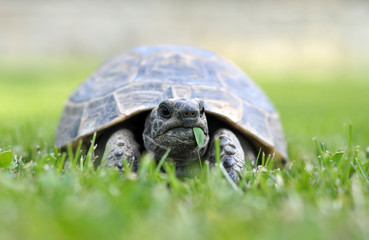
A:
(189, 114)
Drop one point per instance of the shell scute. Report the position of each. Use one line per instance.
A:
(70, 123)
(99, 112)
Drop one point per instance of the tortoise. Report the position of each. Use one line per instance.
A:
(150, 99)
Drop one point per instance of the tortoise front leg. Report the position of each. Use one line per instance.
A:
(122, 146)
(232, 152)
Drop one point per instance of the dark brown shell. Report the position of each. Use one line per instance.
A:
(140, 79)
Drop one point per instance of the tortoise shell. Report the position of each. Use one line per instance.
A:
(138, 80)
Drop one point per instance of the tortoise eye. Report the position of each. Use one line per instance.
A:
(164, 111)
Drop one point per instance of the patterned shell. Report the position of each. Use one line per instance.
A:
(138, 80)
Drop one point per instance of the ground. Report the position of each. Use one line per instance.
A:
(322, 193)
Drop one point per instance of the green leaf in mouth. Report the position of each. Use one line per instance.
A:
(199, 136)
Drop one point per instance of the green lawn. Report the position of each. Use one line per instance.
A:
(321, 194)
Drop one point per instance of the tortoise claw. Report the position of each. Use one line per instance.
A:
(231, 152)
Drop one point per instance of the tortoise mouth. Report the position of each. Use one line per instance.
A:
(182, 144)
(177, 136)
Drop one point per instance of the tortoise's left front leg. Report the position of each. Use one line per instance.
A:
(122, 146)
(233, 152)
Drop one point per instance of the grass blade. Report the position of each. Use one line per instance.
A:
(77, 154)
(162, 160)
(60, 162)
(217, 151)
(230, 181)
(88, 163)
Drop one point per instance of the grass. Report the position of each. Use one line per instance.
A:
(321, 194)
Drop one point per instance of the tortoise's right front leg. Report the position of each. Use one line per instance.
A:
(122, 146)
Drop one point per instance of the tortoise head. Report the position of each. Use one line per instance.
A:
(170, 125)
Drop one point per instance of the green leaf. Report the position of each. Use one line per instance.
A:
(199, 135)
(338, 156)
(6, 159)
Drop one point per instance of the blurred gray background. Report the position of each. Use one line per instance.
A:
(265, 34)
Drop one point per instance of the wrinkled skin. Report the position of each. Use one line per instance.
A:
(170, 126)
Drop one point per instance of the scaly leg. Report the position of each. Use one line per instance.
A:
(232, 152)
(122, 146)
